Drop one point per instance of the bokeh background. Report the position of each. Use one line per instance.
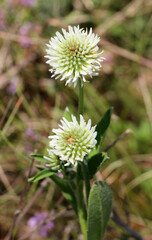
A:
(31, 104)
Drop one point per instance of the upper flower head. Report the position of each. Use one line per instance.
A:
(72, 141)
(74, 55)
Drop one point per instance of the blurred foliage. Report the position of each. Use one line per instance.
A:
(31, 104)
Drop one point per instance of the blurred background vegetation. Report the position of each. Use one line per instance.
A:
(31, 104)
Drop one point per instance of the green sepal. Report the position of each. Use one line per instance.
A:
(96, 162)
(40, 158)
(99, 209)
(41, 175)
(67, 114)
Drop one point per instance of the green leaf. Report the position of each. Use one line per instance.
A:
(43, 174)
(40, 167)
(66, 189)
(96, 162)
(40, 158)
(99, 209)
(67, 114)
(103, 125)
(101, 129)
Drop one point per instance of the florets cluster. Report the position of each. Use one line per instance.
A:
(74, 55)
(72, 141)
(53, 161)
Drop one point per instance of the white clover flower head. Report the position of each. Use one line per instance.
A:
(72, 141)
(74, 55)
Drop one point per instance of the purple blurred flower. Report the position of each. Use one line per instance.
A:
(13, 85)
(45, 227)
(25, 28)
(60, 174)
(108, 57)
(24, 34)
(25, 42)
(29, 3)
(43, 231)
(29, 132)
(50, 225)
(34, 221)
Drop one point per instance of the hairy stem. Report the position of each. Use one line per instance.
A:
(85, 173)
(81, 207)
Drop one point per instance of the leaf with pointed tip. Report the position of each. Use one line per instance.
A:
(96, 162)
(101, 129)
(103, 125)
(40, 158)
(99, 209)
(43, 174)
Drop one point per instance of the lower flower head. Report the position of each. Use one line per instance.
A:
(74, 55)
(72, 141)
(53, 161)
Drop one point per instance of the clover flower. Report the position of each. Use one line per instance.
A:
(72, 141)
(74, 55)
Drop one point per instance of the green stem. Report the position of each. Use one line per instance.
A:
(80, 98)
(81, 207)
(85, 173)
